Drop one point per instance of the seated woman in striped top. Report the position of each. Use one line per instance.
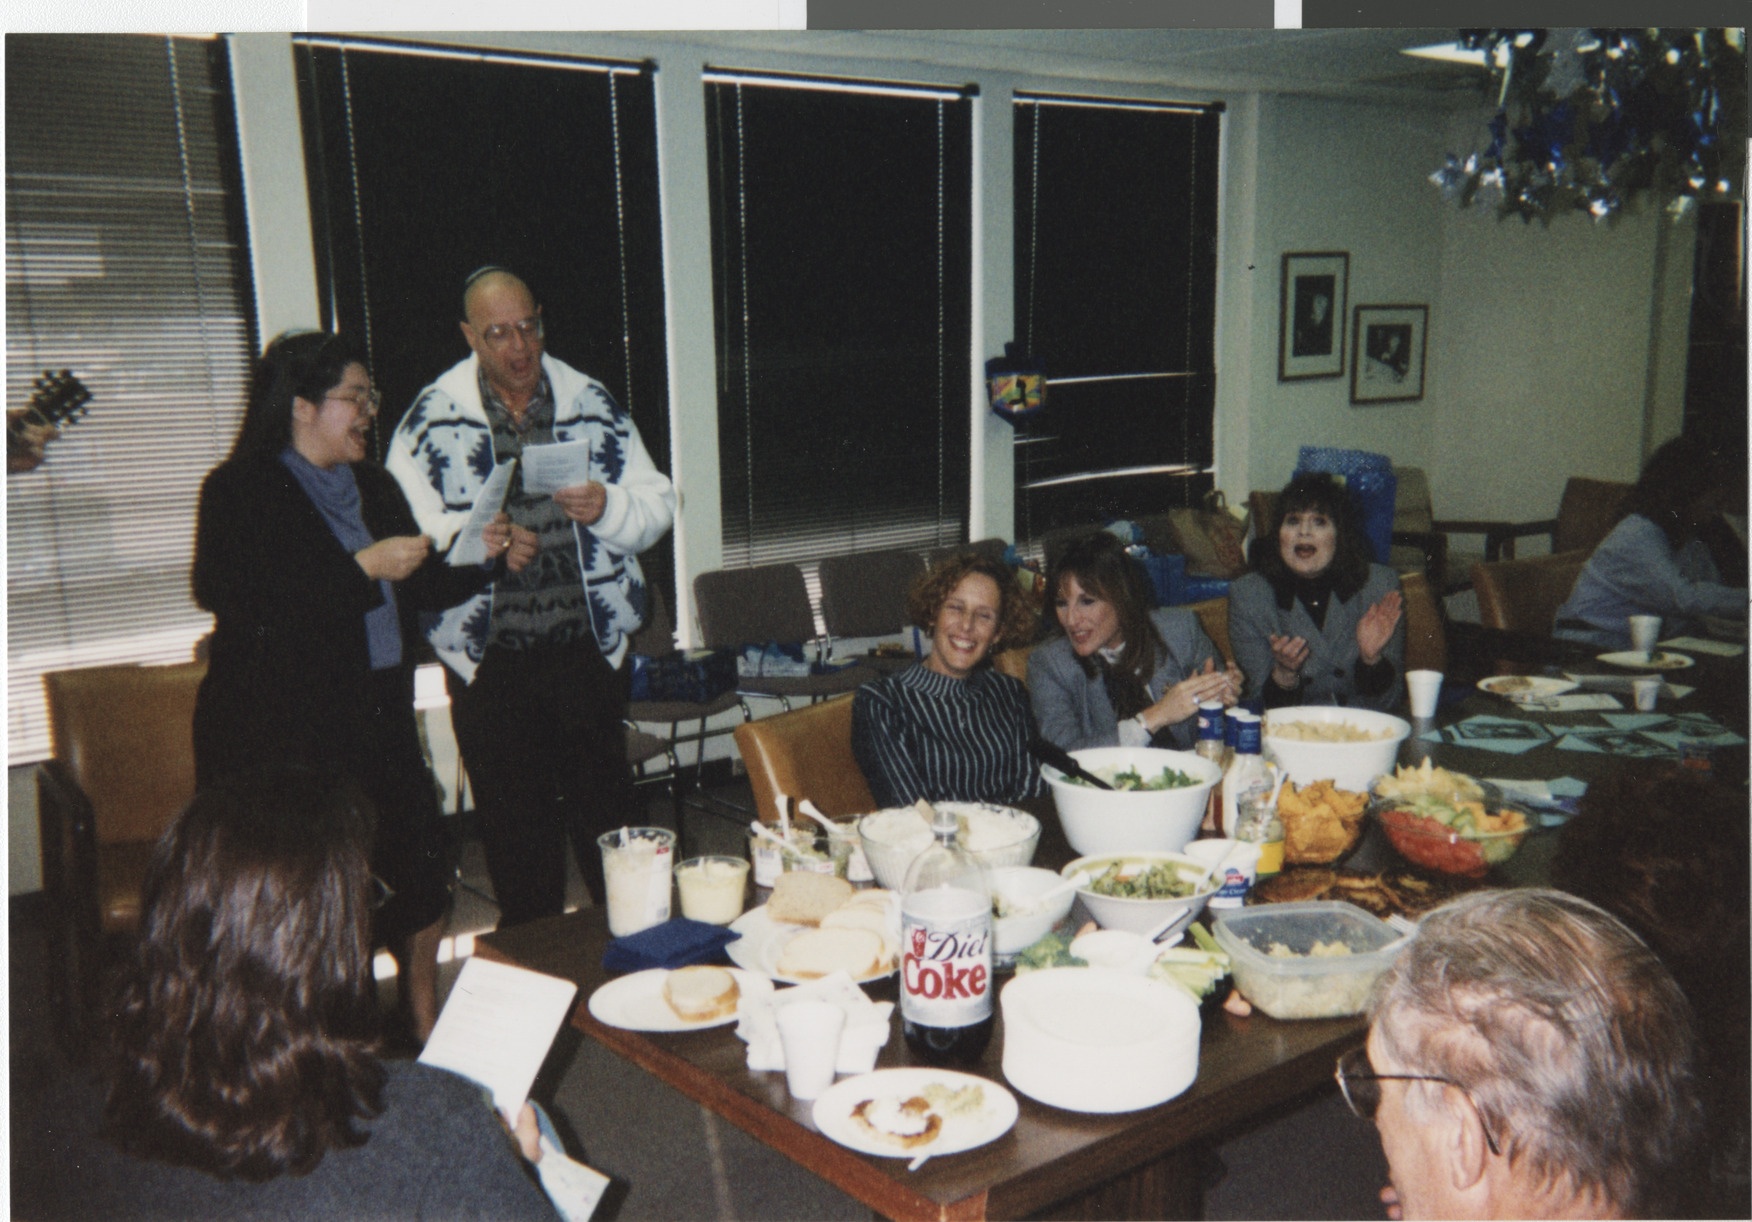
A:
(952, 728)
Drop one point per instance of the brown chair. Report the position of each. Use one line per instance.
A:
(805, 753)
(1013, 662)
(1523, 595)
(123, 768)
(1213, 617)
(1426, 637)
(1586, 514)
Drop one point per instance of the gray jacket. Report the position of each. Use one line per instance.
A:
(1073, 709)
(1329, 677)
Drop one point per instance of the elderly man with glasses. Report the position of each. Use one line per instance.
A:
(532, 664)
(1528, 1057)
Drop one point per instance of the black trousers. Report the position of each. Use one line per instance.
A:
(542, 738)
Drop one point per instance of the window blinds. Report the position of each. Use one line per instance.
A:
(124, 263)
(841, 223)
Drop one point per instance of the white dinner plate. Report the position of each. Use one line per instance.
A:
(635, 1002)
(833, 1111)
(763, 941)
(1526, 687)
(1661, 659)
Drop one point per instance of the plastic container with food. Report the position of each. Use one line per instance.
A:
(1349, 747)
(1153, 816)
(1310, 960)
(995, 836)
(1447, 821)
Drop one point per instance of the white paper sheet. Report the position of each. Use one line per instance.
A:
(469, 549)
(574, 1188)
(547, 469)
(497, 1026)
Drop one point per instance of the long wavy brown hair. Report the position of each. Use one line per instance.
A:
(1099, 563)
(1017, 622)
(244, 1039)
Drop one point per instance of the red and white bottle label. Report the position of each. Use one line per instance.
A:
(946, 957)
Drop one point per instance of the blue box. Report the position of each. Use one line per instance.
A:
(699, 675)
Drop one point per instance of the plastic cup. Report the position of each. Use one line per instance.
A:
(820, 854)
(712, 888)
(635, 865)
(809, 1033)
(1239, 874)
(1645, 630)
(1423, 686)
(1645, 688)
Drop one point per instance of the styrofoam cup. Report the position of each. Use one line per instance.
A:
(1645, 630)
(1423, 686)
(1239, 874)
(809, 1032)
(1646, 688)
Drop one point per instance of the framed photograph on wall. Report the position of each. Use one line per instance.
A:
(1387, 365)
(1311, 315)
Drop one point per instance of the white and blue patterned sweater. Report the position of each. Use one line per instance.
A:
(442, 453)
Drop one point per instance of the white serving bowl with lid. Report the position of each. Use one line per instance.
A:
(1112, 821)
(1348, 765)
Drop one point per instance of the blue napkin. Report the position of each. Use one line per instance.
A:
(674, 943)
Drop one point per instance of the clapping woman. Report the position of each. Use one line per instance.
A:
(1117, 673)
(310, 561)
(1318, 622)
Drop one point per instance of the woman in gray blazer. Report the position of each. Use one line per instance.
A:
(1317, 622)
(1117, 673)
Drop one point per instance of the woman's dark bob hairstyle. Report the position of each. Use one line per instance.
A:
(1351, 556)
(245, 1033)
(297, 364)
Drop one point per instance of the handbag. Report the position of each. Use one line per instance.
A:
(1210, 537)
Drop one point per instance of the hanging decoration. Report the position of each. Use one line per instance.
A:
(1589, 119)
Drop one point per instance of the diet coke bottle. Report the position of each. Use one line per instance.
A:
(946, 951)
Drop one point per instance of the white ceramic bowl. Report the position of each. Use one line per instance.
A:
(1019, 884)
(1113, 821)
(890, 853)
(1353, 766)
(1141, 916)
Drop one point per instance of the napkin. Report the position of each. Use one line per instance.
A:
(674, 943)
(865, 1033)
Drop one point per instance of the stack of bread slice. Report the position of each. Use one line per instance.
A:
(701, 993)
(859, 937)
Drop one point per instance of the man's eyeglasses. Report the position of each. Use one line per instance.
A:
(1361, 1087)
(369, 403)
(499, 334)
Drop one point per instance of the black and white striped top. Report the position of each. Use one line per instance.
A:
(919, 734)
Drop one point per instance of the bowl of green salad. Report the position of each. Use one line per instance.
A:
(1137, 891)
(1157, 802)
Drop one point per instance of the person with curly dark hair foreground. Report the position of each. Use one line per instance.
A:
(952, 728)
(1528, 1057)
(1664, 849)
(242, 1078)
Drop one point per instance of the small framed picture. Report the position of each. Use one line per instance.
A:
(1311, 317)
(1387, 365)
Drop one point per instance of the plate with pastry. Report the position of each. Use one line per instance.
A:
(683, 999)
(1635, 659)
(808, 930)
(1525, 688)
(905, 1113)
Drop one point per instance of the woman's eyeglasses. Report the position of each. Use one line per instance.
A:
(368, 403)
(1361, 1087)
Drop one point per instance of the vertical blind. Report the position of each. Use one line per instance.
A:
(841, 220)
(124, 264)
(1116, 256)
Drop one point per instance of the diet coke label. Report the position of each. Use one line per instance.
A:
(946, 960)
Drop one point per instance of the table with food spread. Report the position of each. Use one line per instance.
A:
(1099, 1082)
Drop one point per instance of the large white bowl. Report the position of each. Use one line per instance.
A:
(1141, 916)
(1019, 884)
(1113, 821)
(1352, 766)
(890, 857)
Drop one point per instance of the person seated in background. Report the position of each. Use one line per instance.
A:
(241, 1078)
(953, 728)
(1528, 1057)
(1653, 562)
(1664, 849)
(1118, 673)
(1318, 622)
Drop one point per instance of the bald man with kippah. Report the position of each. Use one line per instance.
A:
(532, 663)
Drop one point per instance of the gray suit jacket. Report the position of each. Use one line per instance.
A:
(1330, 674)
(1073, 709)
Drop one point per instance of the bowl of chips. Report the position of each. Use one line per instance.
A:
(1322, 822)
(1349, 747)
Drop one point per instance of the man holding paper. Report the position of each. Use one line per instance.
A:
(532, 663)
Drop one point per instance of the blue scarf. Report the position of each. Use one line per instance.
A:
(335, 493)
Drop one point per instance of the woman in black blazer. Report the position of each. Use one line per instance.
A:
(310, 561)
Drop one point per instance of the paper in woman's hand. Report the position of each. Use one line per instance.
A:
(469, 547)
(497, 1026)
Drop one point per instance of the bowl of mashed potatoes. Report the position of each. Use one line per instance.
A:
(1349, 747)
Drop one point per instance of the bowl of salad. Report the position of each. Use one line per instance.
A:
(1157, 802)
(1139, 890)
(1448, 822)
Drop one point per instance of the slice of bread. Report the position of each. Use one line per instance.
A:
(904, 1124)
(821, 952)
(802, 898)
(856, 916)
(701, 993)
